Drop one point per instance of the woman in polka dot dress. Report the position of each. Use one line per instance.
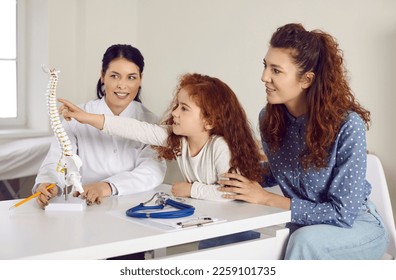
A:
(313, 132)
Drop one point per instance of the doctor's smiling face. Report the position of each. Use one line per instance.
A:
(121, 81)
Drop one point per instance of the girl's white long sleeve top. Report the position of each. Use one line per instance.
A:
(202, 170)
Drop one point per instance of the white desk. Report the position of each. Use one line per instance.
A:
(28, 232)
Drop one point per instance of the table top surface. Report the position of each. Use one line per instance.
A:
(102, 231)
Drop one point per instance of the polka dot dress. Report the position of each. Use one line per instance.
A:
(331, 195)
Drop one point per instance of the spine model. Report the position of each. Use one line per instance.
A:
(69, 163)
(56, 123)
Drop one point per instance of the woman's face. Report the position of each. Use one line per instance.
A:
(121, 84)
(281, 80)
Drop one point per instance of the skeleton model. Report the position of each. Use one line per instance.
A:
(69, 163)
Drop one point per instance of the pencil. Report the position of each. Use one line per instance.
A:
(30, 197)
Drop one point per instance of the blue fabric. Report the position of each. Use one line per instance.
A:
(366, 240)
(228, 239)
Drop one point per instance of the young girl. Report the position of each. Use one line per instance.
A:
(207, 132)
(314, 134)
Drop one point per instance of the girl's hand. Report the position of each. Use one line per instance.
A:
(93, 193)
(181, 189)
(45, 195)
(69, 111)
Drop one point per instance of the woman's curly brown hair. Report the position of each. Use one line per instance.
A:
(328, 99)
(220, 108)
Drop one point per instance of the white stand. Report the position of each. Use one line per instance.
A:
(71, 204)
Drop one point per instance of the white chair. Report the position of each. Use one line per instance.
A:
(380, 196)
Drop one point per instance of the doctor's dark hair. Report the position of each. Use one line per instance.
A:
(128, 52)
(328, 99)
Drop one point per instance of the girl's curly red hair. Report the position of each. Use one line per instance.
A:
(220, 108)
(328, 99)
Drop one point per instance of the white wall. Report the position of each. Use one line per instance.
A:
(80, 32)
(227, 39)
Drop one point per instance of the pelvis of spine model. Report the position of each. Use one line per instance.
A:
(72, 164)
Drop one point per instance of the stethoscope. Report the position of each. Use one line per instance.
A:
(162, 199)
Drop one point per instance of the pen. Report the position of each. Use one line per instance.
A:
(30, 197)
(197, 223)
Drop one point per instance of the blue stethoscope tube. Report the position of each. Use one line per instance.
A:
(184, 209)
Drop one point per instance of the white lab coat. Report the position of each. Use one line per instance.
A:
(129, 166)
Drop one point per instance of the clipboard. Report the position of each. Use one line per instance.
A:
(190, 222)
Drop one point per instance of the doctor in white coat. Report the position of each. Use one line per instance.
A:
(110, 165)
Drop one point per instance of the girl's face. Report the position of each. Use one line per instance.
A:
(281, 81)
(121, 84)
(187, 118)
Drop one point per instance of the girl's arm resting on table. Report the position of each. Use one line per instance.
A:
(181, 189)
(207, 192)
(198, 190)
(214, 161)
